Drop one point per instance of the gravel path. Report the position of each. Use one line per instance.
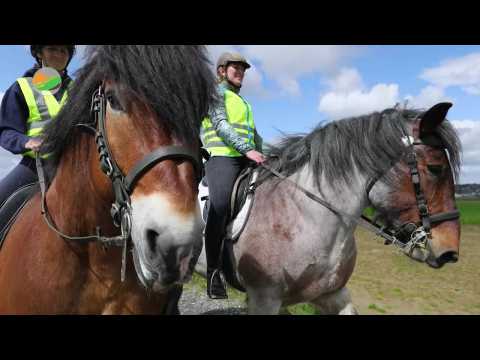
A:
(195, 301)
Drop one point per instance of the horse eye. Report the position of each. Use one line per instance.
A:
(114, 102)
(435, 170)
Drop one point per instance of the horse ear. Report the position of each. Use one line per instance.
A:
(433, 117)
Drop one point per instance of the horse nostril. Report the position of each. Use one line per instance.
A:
(152, 237)
(170, 258)
(449, 256)
(172, 265)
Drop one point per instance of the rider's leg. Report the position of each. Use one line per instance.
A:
(221, 174)
(24, 173)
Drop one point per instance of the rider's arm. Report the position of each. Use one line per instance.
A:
(219, 119)
(258, 141)
(13, 121)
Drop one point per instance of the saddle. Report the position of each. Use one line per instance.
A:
(10, 209)
(241, 202)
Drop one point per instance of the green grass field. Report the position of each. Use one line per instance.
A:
(469, 211)
(398, 293)
(385, 282)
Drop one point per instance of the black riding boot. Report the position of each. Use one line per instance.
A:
(216, 287)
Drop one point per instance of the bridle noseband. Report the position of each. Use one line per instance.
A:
(123, 185)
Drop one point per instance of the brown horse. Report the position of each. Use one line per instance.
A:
(154, 99)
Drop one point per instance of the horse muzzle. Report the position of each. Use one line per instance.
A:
(169, 269)
(163, 240)
(446, 257)
(444, 245)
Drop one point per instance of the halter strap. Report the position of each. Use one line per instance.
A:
(163, 153)
(106, 241)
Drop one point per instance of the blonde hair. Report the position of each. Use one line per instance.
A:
(220, 77)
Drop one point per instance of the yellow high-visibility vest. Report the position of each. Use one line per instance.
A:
(42, 108)
(240, 117)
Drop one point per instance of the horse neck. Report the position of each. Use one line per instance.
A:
(73, 200)
(349, 198)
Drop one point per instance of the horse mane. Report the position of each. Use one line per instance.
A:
(371, 143)
(175, 81)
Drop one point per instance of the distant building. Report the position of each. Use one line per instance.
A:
(467, 191)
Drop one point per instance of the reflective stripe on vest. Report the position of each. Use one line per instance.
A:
(240, 117)
(42, 108)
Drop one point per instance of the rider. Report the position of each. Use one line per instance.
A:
(229, 135)
(25, 110)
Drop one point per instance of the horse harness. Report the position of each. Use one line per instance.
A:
(121, 210)
(406, 236)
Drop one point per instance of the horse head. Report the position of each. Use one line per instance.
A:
(146, 106)
(165, 217)
(421, 201)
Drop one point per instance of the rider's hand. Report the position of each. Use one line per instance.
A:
(33, 144)
(256, 156)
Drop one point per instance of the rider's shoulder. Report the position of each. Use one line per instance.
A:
(221, 88)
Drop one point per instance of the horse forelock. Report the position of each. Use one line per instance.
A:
(175, 82)
(371, 144)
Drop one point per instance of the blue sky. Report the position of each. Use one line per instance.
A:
(293, 88)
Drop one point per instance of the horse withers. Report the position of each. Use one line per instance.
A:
(148, 103)
(297, 249)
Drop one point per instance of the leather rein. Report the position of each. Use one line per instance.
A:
(405, 236)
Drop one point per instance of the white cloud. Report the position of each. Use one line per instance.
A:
(469, 133)
(470, 175)
(348, 79)
(253, 84)
(348, 96)
(463, 72)
(428, 96)
(339, 105)
(286, 64)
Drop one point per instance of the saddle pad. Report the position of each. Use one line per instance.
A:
(12, 207)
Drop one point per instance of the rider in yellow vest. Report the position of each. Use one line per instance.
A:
(230, 136)
(25, 110)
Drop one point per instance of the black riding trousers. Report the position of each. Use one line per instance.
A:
(221, 172)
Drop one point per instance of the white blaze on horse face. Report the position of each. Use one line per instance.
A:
(163, 237)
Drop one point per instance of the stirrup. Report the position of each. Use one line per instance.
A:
(210, 285)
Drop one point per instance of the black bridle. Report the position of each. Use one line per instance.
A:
(406, 236)
(123, 185)
(409, 235)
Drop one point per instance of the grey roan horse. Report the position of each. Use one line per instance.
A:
(294, 249)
